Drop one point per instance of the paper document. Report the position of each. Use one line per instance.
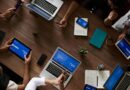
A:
(96, 78)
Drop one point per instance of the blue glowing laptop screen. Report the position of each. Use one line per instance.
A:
(124, 47)
(114, 78)
(66, 60)
(19, 49)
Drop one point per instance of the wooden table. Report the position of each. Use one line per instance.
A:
(50, 36)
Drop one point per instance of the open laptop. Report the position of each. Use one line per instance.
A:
(45, 8)
(124, 47)
(118, 80)
(60, 61)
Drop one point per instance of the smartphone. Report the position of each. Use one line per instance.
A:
(82, 22)
(41, 60)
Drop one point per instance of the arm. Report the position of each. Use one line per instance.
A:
(6, 46)
(37, 81)
(26, 73)
(73, 6)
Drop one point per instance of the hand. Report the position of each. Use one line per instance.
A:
(8, 43)
(60, 79)
(28, 58)
(8, 13)
(121, 36)
(62, 23)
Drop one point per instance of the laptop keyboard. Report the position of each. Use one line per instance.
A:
(46, 5)
(125, 82)
(55, 70)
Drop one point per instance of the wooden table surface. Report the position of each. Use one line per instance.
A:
(50, 36)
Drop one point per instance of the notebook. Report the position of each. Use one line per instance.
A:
(98, 38)
(80, 31)
(96, 78)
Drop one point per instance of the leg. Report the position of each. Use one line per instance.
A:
(111, 17)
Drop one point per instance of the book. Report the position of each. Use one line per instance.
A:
(98, 38)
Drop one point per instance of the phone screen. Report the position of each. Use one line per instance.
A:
(82, 22)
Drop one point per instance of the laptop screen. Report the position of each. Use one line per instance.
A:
(124, 47)
(114, 78)
(65, 60)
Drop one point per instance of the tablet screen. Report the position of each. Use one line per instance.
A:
(18, 48)
(124, 46)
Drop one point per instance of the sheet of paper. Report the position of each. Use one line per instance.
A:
(102, 77)
(96, 78)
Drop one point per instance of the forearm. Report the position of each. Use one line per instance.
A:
(26, 75)
(73, 6)
(3, 49)
(125, 30)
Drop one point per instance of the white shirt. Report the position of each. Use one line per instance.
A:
(35, 82)
(12, 86)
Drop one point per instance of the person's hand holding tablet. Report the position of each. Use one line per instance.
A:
(6, 45)
(28, 58)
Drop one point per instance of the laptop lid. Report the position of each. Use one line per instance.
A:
(114, 78)
(65, 60)
(124, 47)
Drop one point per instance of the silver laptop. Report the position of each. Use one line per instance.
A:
(45, 8)
(60, 61)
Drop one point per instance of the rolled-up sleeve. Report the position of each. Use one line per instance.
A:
(35, 82)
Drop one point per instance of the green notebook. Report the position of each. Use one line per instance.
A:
(98, 38)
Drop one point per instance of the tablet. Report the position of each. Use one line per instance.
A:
(19, 48)
(124, 47)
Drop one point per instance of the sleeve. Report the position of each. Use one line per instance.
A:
(35, 82)
(12, 86)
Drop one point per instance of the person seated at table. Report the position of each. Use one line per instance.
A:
(126, 29)
(5, 82)
(6, 15)
(107, 9)
(37, 81)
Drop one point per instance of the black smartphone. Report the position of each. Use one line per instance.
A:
(42, 59)
(82, 22)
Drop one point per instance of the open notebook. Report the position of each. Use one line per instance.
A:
(96, 78)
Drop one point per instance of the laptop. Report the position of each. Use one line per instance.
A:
(45, 8)
(118, 80)
(60, 61)
(124, 47)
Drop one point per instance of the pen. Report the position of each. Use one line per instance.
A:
(97, 81)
